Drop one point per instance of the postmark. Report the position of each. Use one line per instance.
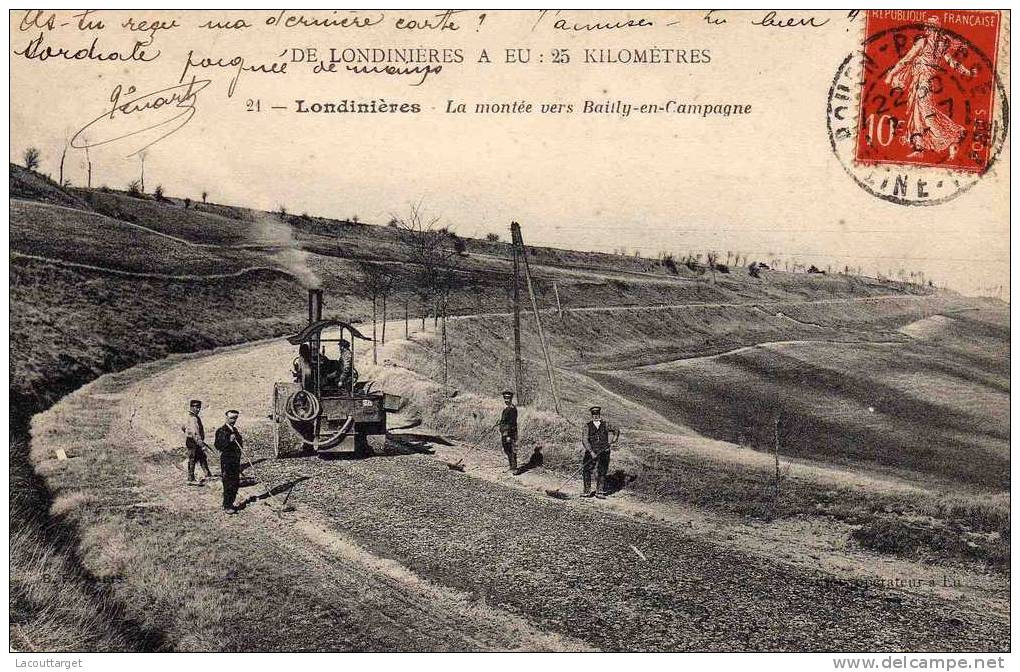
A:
(919, 114)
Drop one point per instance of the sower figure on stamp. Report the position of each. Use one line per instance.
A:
(928, 128)
(229, 442)
(595, 437)
(508, 429)
(194, 441)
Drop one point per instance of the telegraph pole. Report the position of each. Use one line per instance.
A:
(515, 228)
(518, 367)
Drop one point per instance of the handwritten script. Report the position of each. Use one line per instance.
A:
(149, 117)
(221, 49)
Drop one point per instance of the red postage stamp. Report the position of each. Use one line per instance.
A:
(928, 89)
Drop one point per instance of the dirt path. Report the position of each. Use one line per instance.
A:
(692, 306)
(767, 345)
(286, 582)
(398, 552)
(148, 276)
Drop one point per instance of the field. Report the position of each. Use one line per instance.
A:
(901, 405)
(893, 439)
(702, 388)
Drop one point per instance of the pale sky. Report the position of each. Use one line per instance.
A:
(758, 183)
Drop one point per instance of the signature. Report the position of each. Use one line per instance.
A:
(131, 114)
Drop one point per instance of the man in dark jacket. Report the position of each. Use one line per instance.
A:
(508, 429)
(595, 438)
(194, 441)
(229, 442)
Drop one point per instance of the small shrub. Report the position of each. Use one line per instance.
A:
(31, 158)
(158, 193)
(901, 537)
(669, 263)
(134, 188)
(492, 237)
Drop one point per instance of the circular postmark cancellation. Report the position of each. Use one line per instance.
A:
(919, 114)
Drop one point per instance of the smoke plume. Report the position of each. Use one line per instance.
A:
(272, 231)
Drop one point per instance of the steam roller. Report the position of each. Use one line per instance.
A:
(325, 403)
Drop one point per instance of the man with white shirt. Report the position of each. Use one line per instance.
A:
(595, 437)
(194, 441)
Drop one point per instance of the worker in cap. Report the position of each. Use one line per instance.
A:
(194, 441)
(339, 372)
(229, 443)
(346, 374)
(508, 429)
(597, 445)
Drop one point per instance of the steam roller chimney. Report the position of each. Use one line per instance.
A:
(314, 305)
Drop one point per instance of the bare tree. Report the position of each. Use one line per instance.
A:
(141, 178)
(31, 158)
(387, 287)
(88, 163)
(423, 304)
(378, 284)
(713, 259)
(430, 249)
(63, 155)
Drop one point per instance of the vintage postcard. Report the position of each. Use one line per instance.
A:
(485, 330)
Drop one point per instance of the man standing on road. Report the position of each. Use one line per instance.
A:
(194, 441)
(229, 442)
(595, 437)
(508, 429)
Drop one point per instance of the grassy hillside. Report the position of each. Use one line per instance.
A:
(907, 405)
(198, 223)
(50, 231)
(896, 430)
(71, 323)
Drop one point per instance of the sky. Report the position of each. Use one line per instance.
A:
(763, 183)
